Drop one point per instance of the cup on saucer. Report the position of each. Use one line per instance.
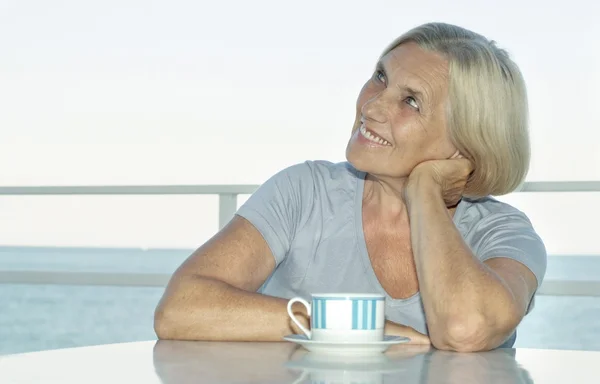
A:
(343, 317)
(344, 324)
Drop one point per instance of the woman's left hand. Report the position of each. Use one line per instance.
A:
(395, 329)
(448, 177)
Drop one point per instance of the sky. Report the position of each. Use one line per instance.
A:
(230, 92)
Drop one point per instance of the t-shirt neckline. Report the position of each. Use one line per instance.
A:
(362, 244)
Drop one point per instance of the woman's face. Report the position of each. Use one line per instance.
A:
(401, 114)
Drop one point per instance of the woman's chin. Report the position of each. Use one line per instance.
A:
(361, 161)
(369, 162)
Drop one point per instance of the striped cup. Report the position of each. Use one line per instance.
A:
(343, 317)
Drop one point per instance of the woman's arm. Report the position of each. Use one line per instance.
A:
(212, 296)
(470, 305)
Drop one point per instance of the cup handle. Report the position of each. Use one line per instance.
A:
(291, 313)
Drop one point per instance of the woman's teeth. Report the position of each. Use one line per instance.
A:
(372, 138)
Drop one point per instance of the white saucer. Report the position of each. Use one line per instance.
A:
(347, 348)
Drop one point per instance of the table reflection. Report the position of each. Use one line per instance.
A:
(405, 363)
(498, 367)
(187, 362)
(222, 362)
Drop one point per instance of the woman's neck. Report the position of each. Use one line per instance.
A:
(384, 197)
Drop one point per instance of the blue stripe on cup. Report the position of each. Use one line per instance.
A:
(323, 314)
(315, 315)
(319, 315)
(365, 317)
(354, 314)
(320, 306)
(364, 314)
(373, 313)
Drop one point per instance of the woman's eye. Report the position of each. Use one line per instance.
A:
(412, 102)
(380, 76)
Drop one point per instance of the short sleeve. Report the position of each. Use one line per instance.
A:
(511, 235)
(279, 207)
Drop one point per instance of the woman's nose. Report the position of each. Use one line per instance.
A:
(375, 109)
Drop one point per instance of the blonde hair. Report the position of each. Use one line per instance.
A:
(487, 109)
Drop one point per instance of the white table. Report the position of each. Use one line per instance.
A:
(170, 362)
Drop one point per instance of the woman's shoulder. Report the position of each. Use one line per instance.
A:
(496, 229)
(473, 212)
(487, 205)
(323, 171)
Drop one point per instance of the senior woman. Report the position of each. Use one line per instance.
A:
(440, 126)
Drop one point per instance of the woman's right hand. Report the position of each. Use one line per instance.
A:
(301, 315)
(415, 337)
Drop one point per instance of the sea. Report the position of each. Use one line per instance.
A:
(42, 317)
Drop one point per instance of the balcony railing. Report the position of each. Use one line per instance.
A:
(228, 195)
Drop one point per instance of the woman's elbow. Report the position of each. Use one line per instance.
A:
(462, 335)
(181, 312)
(172, 318)
(474, 334)
(164, 324)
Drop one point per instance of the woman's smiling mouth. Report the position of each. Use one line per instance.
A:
(371, 136)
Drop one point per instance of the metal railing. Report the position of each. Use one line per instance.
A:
(228, 195)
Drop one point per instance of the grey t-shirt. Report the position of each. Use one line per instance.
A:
(310, 214)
